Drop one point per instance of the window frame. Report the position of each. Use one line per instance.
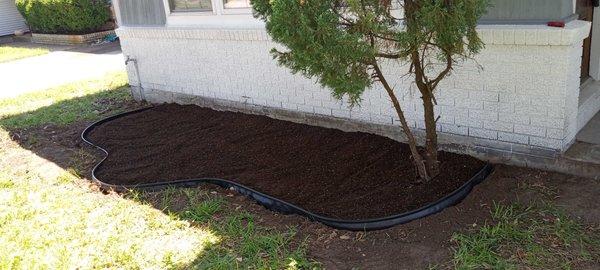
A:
(172, 9)
(240, 10)
(218, 8)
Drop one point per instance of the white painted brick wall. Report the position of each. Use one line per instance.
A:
(525, 94)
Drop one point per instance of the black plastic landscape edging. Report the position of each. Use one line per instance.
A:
(275, 204)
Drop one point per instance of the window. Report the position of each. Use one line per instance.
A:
(236, 3)
(190, 5)
(184, 10)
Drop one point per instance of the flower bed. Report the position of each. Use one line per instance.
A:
(347, 180)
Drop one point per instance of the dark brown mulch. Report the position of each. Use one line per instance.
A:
(326, 171)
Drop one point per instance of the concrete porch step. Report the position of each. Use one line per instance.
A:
(585, 152)
(590, 133)
(582, 159)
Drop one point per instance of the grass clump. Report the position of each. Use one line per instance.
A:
(9, 53)
(540, 236)
(244, 243)
(204, 210)
(252, 246)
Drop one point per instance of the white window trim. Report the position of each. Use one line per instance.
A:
(218, 17)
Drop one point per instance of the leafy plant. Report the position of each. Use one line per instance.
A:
(344, 42)
(64, 16)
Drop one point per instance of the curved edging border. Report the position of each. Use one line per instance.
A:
(275, 204)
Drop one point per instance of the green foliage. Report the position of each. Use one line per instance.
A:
(317, 46)
(450, 28)
(64, 16)
(338, 42)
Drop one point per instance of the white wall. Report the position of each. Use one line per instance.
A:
(525, 95)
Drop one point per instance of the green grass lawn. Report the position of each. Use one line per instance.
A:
(8, 53)
(52, 218)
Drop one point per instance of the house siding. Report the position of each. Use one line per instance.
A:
(524, 97)
(141, 12)
(10, 18)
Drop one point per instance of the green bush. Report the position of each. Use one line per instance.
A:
(64, 16)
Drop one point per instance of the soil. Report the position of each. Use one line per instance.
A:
(333, 173)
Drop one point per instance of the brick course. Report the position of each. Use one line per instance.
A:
(57, 39)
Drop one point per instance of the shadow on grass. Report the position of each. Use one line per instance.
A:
(50, 127)
(53, 131)
(244, 242)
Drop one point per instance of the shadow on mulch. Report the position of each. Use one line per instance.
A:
(416, 245)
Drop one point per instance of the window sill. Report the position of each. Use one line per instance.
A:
(209, 20)
(236, 10)
(191, 13)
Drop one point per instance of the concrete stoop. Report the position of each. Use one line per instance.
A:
(582, 159)
(586, 149)
(582, 167)
(584, 152)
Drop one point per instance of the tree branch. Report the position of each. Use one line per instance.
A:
(387, 55)
(443, 74)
